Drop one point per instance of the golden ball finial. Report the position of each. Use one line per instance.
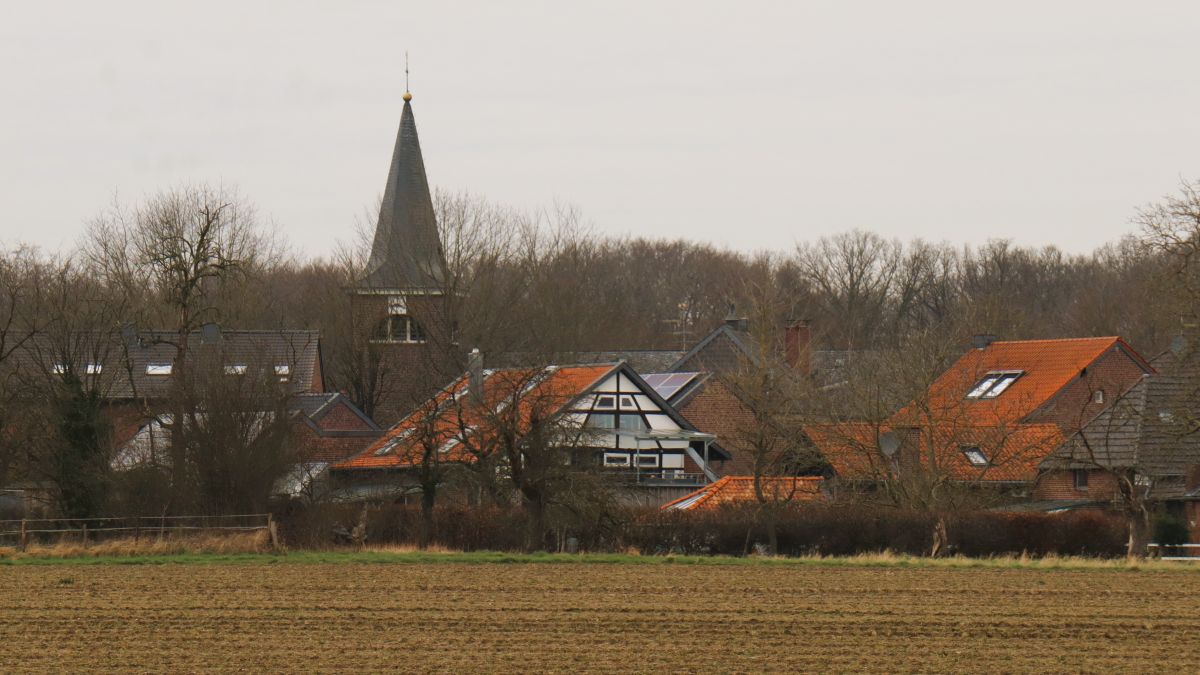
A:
(407, 96)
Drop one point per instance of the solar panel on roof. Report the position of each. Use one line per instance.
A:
(667, 385)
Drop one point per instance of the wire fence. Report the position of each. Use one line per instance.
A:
(23, 532)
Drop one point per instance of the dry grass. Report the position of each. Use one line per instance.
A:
(225, 543)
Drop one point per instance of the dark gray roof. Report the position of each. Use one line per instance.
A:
(641, 360)
(1150, 428)
(125, 361)
(720, 351)
(316, 406)
(407, 251)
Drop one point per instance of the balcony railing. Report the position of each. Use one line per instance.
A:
(657, 476)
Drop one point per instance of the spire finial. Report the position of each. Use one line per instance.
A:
(407, 93)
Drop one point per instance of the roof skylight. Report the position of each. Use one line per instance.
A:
(994, 383)
(975, 456)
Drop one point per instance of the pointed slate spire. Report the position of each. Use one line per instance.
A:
(407, 252)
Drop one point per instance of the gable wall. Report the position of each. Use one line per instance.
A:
(715, 410)
(1060, 484)
(342, 418)
(1113, 372)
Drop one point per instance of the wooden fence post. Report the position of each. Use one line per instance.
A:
(23, 541)
(273, 531)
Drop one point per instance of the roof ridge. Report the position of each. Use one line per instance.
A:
(1106, 338)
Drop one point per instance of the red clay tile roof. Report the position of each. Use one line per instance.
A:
(851, 448)
(950, 421)
(1013, 453)
(739, 490)
(450, 415)
(1046, 366)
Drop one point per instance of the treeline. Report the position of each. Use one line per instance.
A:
(540, 282)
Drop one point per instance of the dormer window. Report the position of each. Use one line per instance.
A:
(1098, 396)
(994, 383)
(975, 456)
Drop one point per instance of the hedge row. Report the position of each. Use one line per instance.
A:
(812, 530)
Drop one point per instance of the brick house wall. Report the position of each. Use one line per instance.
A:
(715, 410)
(1074, 406)
(1060, 485)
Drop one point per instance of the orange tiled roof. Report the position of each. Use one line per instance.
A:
(1046, 366)
(1012, 452)
(440, 423)
(739, 490)
(851, 448)
(949, 421)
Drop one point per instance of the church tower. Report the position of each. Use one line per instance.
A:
(402, 327)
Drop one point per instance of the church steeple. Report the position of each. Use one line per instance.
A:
(406, 255)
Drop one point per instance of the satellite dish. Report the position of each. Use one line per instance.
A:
(889, 443)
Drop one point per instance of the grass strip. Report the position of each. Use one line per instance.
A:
(386, 557)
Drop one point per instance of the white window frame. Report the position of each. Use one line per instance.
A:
(616, 460)
(236, 369)
(653, 457)
(971, 452)
(159, 369)
(94, 368)
(600, 405)
(994, 383)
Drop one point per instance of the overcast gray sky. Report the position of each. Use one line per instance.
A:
(747, 124)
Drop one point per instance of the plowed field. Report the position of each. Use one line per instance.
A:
(578, 617)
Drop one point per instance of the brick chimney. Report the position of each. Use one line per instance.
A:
(797, 346)
(982, 340)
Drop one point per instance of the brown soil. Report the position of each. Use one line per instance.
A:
(569, 617)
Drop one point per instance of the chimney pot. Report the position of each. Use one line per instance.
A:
(982, 340)
(475, 374)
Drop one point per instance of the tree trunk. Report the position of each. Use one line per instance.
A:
(537, 524)
(940, 538)
(428, 496)
(1139, 533)
(772, 527)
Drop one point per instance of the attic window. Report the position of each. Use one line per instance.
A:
(975, 456)
(994, 383)
(158, 369)
(391, 445)
(1098, 396)
(606, 402)
(236, 369)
